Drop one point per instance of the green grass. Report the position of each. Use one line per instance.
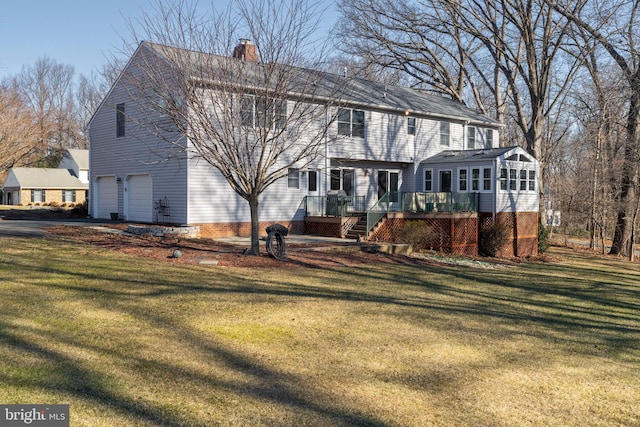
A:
(129, 341)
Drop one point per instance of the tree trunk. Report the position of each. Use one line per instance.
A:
(623, 235)
(255, 224)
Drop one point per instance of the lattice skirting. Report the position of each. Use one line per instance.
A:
(524, 232)
(455, 234)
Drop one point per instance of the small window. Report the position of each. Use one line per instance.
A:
(120, 121)
(445, 133)
(513, 179)
(471, 138)
(489, 141)
(532, 180)
(475, 179)
(486, 186)
(38, 196)
(523, 180)
(411, 125)
(69, 196)
(462, 180)
(503, 179)
(293, 179)
(428, 180)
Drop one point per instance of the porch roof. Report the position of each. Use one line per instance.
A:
(467, 156)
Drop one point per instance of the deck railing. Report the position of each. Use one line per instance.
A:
(341, 206)
(335, 205)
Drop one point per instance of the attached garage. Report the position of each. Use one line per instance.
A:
(106, 196)
(139, 198)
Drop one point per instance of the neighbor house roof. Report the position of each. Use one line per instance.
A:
(351, 91)
(81, 157)
(45, 178)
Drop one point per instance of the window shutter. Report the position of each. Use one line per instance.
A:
(33, 196)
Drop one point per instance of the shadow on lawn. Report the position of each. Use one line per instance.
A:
(554, 299)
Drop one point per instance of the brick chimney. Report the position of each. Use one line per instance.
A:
(246, 51)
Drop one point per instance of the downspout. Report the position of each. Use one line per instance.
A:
(90, 189)
(496, 186)
(327, 163)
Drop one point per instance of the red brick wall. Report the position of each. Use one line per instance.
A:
(233, 229)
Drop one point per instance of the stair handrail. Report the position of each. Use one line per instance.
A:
(377, 212)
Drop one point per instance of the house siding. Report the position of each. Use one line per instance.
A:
(139, 152)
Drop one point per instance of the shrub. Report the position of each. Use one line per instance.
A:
(543, 238)
(416, 233)
(493, 238)
(81, 209)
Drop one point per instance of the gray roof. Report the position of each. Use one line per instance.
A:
(458, 156)
(81, 157)
(353, 92)
(45, 178)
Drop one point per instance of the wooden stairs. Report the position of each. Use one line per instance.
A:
(359, 230)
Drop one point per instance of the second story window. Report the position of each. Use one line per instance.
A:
(411, 125)
(120, 120)
(445, 133)
(351, 122)
(471, 138)
(262, 113)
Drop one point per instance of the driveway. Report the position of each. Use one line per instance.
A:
(35, 228)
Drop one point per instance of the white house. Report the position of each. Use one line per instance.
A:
(387, 140)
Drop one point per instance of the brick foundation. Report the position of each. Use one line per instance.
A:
(235, 229)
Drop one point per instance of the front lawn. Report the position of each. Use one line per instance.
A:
(135, 341)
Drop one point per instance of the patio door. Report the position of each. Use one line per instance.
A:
(445, 181)
(313, 184)
(389, 182)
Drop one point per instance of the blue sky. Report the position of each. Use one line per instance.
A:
(82, 33)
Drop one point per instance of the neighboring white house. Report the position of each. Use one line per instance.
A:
(66, 184)
(390, 139)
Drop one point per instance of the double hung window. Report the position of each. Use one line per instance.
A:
(351, 122)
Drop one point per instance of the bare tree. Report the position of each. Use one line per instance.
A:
(16, 130)
(252, 116)
(613, 25)
(47, 89)
(511, 49)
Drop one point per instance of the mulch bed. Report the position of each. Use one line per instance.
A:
(203, 251)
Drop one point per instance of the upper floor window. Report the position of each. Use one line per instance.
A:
(471, 138)
(351, 122)
(411, 125)
(489, 138)
(260, 112)
(445, 132)
(120, 120)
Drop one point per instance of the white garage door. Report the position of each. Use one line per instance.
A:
(106, 197)
(140, 198)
